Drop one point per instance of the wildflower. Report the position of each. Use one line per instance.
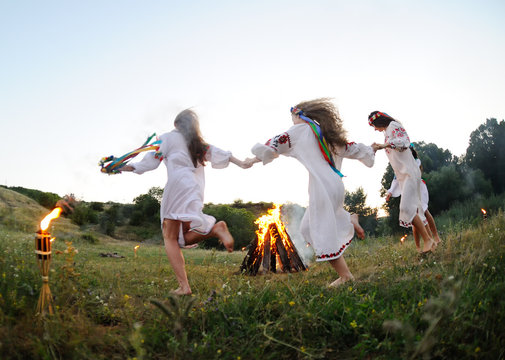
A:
(239, 293)
(477, 349)
(126, 297)
(292, 303)
(219, 351)
(302, 348)
(353, 324)
(349, 288)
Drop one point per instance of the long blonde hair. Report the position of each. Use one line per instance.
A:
(189, 126)
(326, 114)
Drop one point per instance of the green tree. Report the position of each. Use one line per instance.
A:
(355, 203)
(432, 157)
(486, 151)
(147, 207)
(240, 223)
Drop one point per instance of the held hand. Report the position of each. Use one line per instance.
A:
(388, 196)
(250, 162)
(376, 147)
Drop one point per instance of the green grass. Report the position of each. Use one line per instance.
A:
(450, 305)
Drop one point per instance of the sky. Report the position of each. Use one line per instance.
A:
(80, 80)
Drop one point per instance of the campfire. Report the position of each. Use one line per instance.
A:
(272, 250)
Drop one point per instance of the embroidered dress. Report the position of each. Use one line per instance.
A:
(406, 171)
(395, 191)
(183, 194)
(325, 224)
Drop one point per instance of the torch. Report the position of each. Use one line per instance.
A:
(402, 240)
(43, 242)
(484, 213)
(135, 250)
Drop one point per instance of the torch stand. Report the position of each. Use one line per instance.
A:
(43, 253)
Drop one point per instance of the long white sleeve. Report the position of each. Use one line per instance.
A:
(394, 189)
(279, 144)
(358, 151)
(148, 163)
(218, 158)
(397, 137)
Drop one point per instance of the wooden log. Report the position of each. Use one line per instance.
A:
(281, 250)
(273, 259)
(249, 258)
(266, 253)
(295, 258)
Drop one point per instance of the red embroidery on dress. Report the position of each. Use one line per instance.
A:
(349, 144)
(336, 254)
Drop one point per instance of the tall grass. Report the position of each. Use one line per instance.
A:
(450, 305)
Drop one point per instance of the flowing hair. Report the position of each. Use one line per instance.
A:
(326, 114)
(189, 126)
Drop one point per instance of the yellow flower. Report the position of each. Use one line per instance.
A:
(219, 351)
(292, 303)
(126, 297)
(349, 288)
(302, 348)
(354, 324)
(477, 349)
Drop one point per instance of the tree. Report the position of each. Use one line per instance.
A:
(355, 202)
(486, 151)
(432, 157)
(147, 207)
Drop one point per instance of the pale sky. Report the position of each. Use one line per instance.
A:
(80, 80)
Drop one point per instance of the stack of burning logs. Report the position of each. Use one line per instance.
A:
(272, 250)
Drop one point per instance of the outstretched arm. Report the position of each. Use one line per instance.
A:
(246, 164)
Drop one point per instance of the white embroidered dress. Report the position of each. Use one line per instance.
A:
(395, 191)
(183, 194)
(406, 171)
(325, 224)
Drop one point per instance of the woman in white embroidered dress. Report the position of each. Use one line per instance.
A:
(395, 191)
(184, 153)
(406, 171)
(325, 224)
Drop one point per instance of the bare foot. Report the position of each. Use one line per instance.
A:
(181, 291)
(340, 281)
(357, 227)
(222, 232)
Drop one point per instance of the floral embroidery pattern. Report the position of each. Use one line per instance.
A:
(334, 255)
(279, 139)
(349, 144)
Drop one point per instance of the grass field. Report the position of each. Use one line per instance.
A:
(448, 306)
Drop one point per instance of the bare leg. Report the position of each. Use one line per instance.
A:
(432, 225)
(174, 254)
(357, 227)
(419, 226)
(343, 271)
(220, 230)
(416, 239)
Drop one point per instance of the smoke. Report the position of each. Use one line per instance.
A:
(291, 216)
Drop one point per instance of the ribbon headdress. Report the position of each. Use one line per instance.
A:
(378, 114)
(323, 145)
(115, 164)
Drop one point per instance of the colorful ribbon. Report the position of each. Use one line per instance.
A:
(372, 118)
(323, 145)
(112, 165)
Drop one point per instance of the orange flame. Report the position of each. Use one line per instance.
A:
(136, 247)
(44, 224)
(483, 211)
(273, 216)
(402, 240)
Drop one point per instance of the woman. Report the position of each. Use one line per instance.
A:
(317, 139)
(407, 173)
(184, 153)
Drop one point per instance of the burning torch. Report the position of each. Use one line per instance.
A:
(43, 242)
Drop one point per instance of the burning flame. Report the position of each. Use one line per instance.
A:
(273, 216)
(402, 240)
(483, 211)
(44, 224)
(136, 247)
